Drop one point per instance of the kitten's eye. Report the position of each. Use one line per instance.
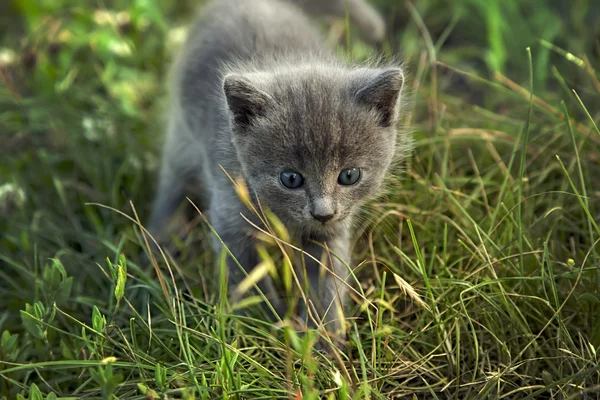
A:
(291, 179)
(349, 176)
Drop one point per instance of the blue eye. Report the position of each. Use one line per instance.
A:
(349, 176)
(291, 179)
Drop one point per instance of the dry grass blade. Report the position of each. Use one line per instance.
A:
(407, 290)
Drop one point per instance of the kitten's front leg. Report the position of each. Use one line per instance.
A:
(327, 281)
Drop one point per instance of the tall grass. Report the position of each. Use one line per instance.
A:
(476, 274)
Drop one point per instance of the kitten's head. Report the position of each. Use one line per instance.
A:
(314, 142)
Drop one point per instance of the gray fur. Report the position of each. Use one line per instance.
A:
(256, 92)
(361, 14)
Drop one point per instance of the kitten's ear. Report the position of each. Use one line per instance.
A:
(382, 92)
(244, 99)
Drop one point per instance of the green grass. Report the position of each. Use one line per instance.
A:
(494, 224)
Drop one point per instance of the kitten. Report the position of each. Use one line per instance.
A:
(257, 93)
(361, 14)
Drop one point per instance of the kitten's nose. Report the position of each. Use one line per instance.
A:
(323, 217)
(323, 208)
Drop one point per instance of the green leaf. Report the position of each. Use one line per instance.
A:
(66, 351)
(590, 298)
(121, 279)
(160, 375)
(107, 380)
(56, 282)
(39, 310)
(146, 391)
(111, 268)
(98, 320)
(35, 393)
(31, 324)
(123, 261)
(64, 291)
(547, 378)
(8, 341)
(292, 337)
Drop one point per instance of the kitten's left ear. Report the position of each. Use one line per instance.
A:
(382, 92)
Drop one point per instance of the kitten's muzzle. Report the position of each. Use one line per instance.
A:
(323, 209)
(323, 217)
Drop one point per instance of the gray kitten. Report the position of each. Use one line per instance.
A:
(361, 14)
(257, 93)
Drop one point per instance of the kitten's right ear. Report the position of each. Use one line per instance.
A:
(245, 100)
(382, 93)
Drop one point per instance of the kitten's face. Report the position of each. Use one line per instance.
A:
(314, 146)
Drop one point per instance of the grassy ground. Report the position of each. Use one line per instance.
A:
(494, 224)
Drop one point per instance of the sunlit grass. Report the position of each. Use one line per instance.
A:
(476, 273)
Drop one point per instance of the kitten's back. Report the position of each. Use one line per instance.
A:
(361, 14)
(238, 31)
